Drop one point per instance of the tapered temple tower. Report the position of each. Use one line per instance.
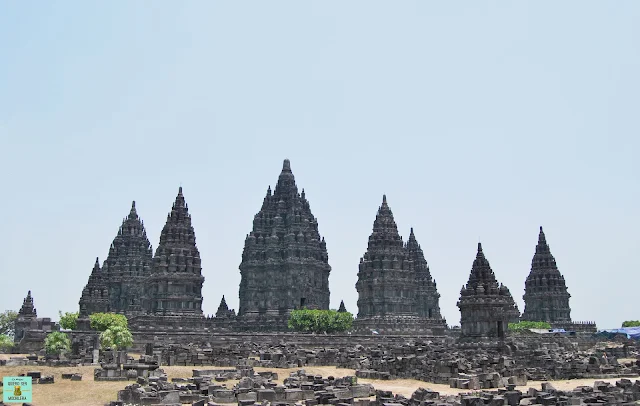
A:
(427, 296)
(27, 311)
(486, 308)
(128, 266)
(342, 308)
(284, 262)
(386, 279)
(175, 287)
(223, 310)
(95, 295)
(387, 283)
(545, 294)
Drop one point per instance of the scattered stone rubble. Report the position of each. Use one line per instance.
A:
(480, 365)
(300, 388)
(204, 389)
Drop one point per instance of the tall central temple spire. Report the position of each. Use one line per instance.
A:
(284, 261)
(176, 284)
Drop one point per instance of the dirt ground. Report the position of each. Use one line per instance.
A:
(90, 393)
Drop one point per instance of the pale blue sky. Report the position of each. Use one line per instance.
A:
(477, 119)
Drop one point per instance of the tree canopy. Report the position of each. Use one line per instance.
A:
(103, 321)
(68, 320)
(526, 325)
(320, 321)
(116, 337)
(6, 343)
(8, 323)
(631, 323)
(57, 343)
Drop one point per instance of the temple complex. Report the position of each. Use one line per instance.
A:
(486, 308)
(175, 285)
(284, 262)
(427, 296)
(285, 267)
(95, 295)
(545, 297)
(128, 266)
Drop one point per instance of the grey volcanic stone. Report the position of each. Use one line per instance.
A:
(284, 262)
(545, 292)
(486, 308)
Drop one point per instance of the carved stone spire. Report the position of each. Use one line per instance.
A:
(176, 283)
(427, 296)
(95, 297)
(284, 261)
(27, 311)
(386, 280)
(223, 310)
(342, 308)
(128, 266)
(486, 307)
(546, 297)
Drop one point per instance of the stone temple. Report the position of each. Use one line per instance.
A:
(391, 290)
(175, 286)
(285, 267)
(486, 308)
(284, 262)
(545, 294)
(128, 266)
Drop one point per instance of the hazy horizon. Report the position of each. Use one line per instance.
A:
(479, 121)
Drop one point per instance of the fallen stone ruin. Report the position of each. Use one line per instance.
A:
(203, 389)
(484, 365)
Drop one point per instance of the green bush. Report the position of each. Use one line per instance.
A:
(320, 321)
(103, 321)
(68, 320)
(8, 323)
(631, 323)
(116, 337)
(6, 343)
(526, 325)
(57, 343)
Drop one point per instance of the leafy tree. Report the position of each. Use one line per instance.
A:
(117, 337)
(320, 321)
(526, 325)
(631, 323)
(8, 323)
(103, 321)
(57, 343)
(6, 343)
(68, 320)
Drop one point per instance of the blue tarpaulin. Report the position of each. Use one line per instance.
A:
(630, 332)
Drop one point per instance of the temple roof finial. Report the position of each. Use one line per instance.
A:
(384, 199)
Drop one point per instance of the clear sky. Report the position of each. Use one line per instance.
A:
(479, 120)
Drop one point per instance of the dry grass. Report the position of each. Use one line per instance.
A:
(90, 393)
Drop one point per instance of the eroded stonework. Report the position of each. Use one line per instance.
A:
(427, 296)
(486, 307)
(545, 292)
(95, 295)
(128, 266)
(284, 262)
(394, 295)
(175, 286)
